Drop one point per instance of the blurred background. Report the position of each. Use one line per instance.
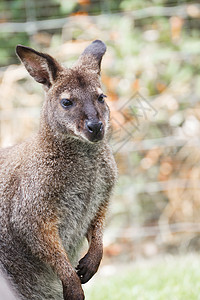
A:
(150, 74)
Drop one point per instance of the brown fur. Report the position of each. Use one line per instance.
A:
(55, 187)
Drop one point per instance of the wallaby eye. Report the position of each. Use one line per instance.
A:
(66, 103)
(101, 98)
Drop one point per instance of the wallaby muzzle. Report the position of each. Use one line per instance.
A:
(94, 130)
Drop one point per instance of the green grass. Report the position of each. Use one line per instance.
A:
(176, 278)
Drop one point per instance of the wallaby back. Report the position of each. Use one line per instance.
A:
(55, 186)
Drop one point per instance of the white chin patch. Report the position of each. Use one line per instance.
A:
(77, 134)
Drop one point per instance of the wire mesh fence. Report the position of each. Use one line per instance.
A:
(151, 77)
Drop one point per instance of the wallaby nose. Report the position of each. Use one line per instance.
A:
(94, 127)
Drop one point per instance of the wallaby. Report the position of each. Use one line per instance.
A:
(55, 186)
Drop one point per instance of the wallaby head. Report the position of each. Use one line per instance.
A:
(75, 104)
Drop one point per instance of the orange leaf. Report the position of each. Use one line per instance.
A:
(84, 2)
(176, 26)
(160, 87)
(136, 85)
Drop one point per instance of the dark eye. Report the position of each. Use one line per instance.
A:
(101, 98)
(66, 103)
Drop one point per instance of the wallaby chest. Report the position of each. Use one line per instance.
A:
(87, 186)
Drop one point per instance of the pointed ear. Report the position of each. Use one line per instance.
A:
(92, 56)
(42, 67)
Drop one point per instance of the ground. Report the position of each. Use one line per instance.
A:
(174, 278)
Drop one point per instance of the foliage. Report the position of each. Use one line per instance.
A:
(33, 11)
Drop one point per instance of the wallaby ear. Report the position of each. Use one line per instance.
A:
(42, 67)
(92, 56)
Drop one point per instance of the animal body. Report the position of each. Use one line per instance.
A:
(55, 186)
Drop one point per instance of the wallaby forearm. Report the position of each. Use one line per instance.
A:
(89, 264)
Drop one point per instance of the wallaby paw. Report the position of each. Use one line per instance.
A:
(70, 293)
(86, 268)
